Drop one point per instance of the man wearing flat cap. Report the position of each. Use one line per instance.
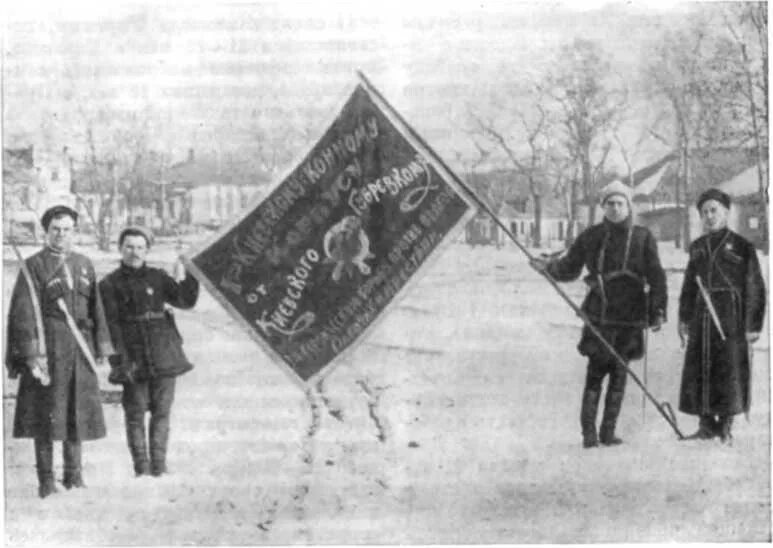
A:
(627, 294)
(55, 335)
(149, 354)
(721, 313)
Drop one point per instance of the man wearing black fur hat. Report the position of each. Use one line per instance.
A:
(148, 346)
(627, 294)
(721, 312)
(54, 332)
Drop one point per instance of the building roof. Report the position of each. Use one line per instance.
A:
(647, 179)
(662, 209)
(745, 183)
(709, 168)
(19, 158)
(208, 169)
(508, 212)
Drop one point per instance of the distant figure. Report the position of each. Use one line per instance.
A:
(148, 345)
(627, 294)
(347, 246)
(58, 396)
(716, 380)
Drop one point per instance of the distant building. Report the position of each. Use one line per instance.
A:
(748, 211)
(32, 182)
(516, 211)
(209, 192)
(724, 167)
(481, 230)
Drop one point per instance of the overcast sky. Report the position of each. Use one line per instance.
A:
(202, 68)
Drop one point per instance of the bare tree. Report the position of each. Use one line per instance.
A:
(687, 72)
(97, 178)
(116, 162)
(747, 23)
(590, 100)
(506, 129)
(564, 172)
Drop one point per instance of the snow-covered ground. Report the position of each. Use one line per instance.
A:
(456, 421)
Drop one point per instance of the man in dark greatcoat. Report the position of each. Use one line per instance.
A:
(148, 345)
(722, 274)
(58, 395)
(627, 294)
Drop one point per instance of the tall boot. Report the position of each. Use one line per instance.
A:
(707, 429)
(725, 429)
(159, 436)
(71, 451)
(612, 404)
(44, 463)
(138, 446)
(590, 403)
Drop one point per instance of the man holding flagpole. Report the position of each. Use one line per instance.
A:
(56, 327)
(149, 354)
(627, 294)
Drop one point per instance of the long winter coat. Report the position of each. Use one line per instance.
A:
(621, 260)
(147, 342)
(716, 374)
(42, 411)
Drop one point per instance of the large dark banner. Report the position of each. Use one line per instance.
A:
(311, 266)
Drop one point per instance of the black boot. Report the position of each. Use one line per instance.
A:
(590, 403)
(159, 436)
(707, 429)
(71, 451)
(138, 447)
(44, 463)
(725, 429)
(612, 405)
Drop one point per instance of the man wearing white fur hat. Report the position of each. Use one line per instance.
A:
(627, 294)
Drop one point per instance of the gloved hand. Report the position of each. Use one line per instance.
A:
(658, 323)
(683, 331)
(38, 366)
(540, 264)
(121, 371)
(752, 337)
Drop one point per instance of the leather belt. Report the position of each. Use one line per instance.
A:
(147, 316)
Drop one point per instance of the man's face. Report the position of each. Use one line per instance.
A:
(133, 251)
(616, 208)
(713, 215)
(60, 233)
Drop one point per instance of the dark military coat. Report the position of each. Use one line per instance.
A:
(42, 411)
(143, 329)
(627, 284)
(716, 374)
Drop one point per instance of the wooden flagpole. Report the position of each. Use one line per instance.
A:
(663, 408)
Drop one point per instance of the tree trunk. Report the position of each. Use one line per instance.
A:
(587, 185)
(678, 199)
(687, 195)
(761, 157)
(537, 237)
(103, 229)
(570, 230)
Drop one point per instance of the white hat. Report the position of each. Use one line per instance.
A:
(619, 188)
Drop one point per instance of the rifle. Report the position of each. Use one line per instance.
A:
(710, 307)
(82, 344)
